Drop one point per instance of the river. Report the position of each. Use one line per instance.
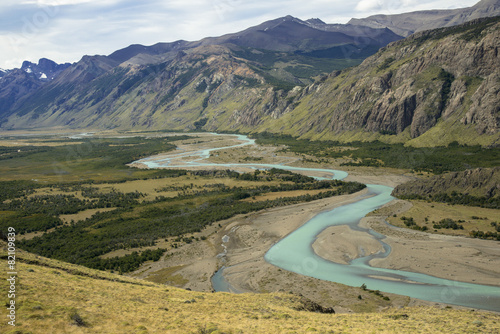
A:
(295, 253)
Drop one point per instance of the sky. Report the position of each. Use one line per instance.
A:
(66, 30)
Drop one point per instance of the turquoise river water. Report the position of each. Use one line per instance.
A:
(295, 253)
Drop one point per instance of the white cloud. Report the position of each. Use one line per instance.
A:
(61, 2)
(366, 5)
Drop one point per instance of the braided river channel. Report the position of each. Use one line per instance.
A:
(295, 253)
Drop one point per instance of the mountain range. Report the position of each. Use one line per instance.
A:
(408, 23)
(284, 41)
(306, 78)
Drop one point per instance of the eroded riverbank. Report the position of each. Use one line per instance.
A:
(251, 236)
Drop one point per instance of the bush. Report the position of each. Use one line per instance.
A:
(449, 224)
(77, 319)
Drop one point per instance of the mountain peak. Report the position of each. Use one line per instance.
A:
(27, 64)
(315, 21)
(45, 70)
(47, 64)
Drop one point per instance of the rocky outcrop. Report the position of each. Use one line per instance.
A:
(480, 182)
(310, 306)
(430, 89)
(447, 75)
(45, 70)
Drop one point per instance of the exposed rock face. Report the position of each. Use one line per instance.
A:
(45, 70)
(485, 109)
(432, 88)
(17, 84)
(482, 182)
(104, 90)
(13, 87)
(448, 75)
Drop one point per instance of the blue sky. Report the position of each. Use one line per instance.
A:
(65, 30)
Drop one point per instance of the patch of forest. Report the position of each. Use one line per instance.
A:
(136, 223)
(437, 160)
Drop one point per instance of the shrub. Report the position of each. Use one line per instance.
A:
(77, 319)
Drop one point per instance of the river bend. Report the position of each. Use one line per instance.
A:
(295, 253)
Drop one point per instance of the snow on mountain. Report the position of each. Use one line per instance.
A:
(45, 70)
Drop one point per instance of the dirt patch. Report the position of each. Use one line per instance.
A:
(82, 215)
(450, 257)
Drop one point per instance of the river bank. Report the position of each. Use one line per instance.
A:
(240, 244)
(244, 240)
(450, 257)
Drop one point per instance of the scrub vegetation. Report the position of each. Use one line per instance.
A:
(436, 160)
(76, 160)
(140, 214)
(444, 218)
(183, 202)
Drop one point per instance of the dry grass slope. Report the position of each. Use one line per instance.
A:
(55, 297)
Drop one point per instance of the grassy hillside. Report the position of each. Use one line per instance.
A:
(473, 187)
(458, 203)
(55, 297)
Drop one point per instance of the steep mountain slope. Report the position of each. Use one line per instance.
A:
(173, 94)
(285, 34)
(429, 89)
(16, 85)
(408, 23)
(290, 34)
(286, 52)
(23, 91)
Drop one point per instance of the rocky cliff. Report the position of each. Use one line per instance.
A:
(480, 182)
(431, 88)
(170, 85)
(184, 92)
